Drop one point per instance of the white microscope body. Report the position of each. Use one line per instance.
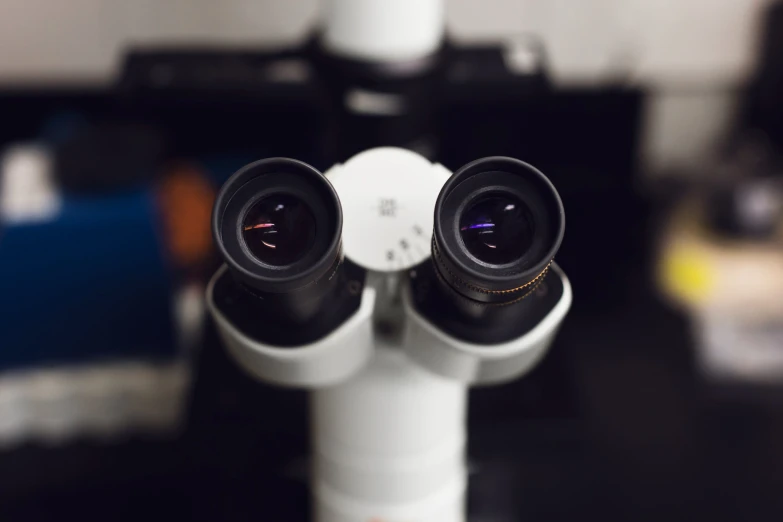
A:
(389, 387)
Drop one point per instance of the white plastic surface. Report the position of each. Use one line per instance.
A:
(389, 444)
(482, 364)
(102, 399)
(27, 190)
(327, 361)
(448, 505)
(383, 30)
(388, 199)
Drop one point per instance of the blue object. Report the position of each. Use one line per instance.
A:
(90, 285)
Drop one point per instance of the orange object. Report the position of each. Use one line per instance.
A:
(185, 198)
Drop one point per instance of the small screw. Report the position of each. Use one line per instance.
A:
(542, 290)
(354, 287)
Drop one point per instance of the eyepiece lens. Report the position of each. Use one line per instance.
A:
(279, 229)
(497, 229)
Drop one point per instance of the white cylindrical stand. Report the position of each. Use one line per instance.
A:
(389, 444)
(383, 30)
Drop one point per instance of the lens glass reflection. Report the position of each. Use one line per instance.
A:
(497, 229)
(279, 229)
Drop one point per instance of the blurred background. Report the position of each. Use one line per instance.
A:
(660, 123)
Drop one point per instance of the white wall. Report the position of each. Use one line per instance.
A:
(658, 41)
(82, 40)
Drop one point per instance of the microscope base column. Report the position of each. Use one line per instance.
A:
(389, 445)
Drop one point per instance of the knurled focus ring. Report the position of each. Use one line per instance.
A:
(440, 265)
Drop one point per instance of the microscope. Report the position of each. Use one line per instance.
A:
(388, 286)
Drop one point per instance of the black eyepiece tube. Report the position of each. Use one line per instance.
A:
(277, 224)
(498, 225)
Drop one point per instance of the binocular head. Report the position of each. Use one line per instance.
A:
(278, 223)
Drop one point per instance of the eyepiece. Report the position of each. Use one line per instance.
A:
(279, 229)
(497, 229)
(498, 224)
(278, 223)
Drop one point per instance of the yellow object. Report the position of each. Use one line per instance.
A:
(687, 274)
